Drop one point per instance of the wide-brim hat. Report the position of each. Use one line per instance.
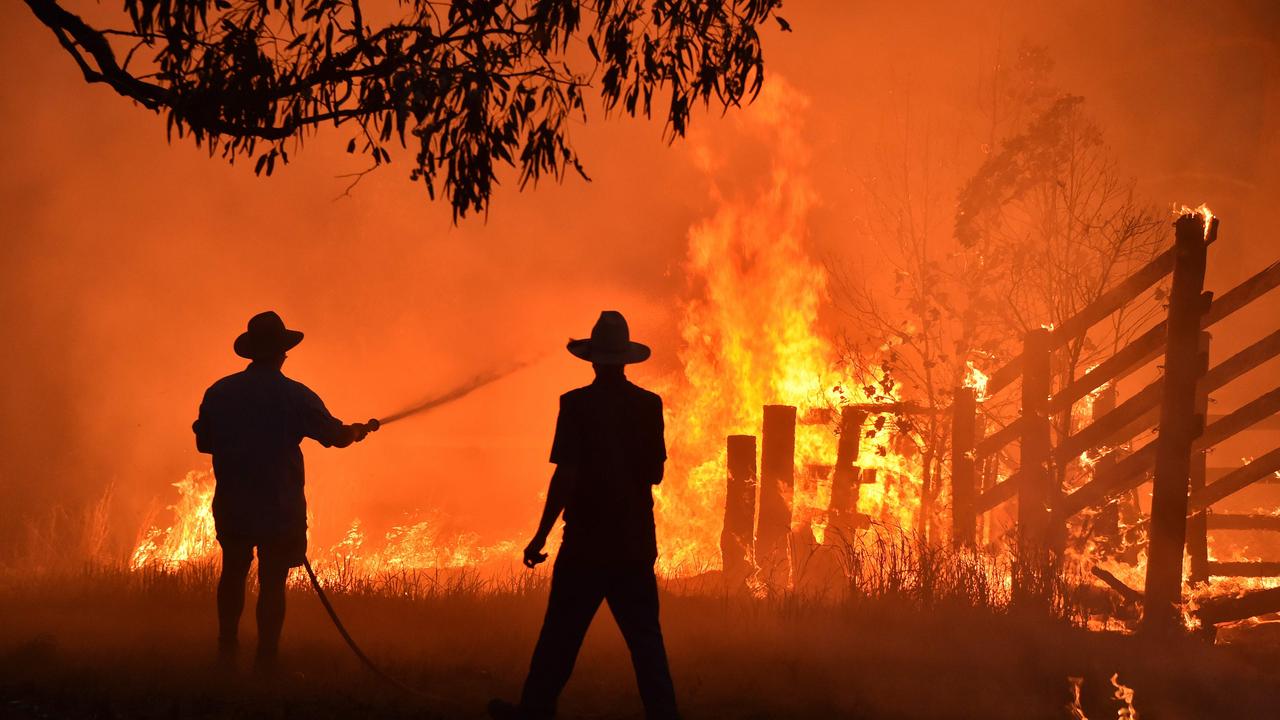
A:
(266, 336)
(610, 342)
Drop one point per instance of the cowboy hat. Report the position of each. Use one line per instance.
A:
(610, 342)
(266, 337)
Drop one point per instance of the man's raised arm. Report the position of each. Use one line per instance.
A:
(320, 425)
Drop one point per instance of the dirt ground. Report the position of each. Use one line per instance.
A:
(92, 648)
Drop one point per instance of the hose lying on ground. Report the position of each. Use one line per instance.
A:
(351, 643)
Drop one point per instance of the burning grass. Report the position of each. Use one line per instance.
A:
(878, 624)
(915, 636)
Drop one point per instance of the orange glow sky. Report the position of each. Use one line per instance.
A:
(129, 265)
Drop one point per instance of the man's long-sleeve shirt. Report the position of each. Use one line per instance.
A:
(252, 423)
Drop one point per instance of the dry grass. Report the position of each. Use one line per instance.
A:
(917, 633)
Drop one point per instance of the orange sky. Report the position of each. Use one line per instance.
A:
(130, 264)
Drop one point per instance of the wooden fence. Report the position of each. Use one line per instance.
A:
(1176, 404)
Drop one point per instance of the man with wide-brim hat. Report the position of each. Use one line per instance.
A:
(609, 452)
(253, 422)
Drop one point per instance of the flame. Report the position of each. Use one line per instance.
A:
(751, 337)
(1074, 710)
(1203, 211)
(417, 544)
(191, 537)
(1125, 695)
(976, 380)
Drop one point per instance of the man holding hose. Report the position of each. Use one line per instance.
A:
(252, 423)
(609, 452)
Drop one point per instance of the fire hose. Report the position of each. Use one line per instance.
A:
(355, 647)
(373, 426)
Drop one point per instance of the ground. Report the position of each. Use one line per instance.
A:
(95, 647)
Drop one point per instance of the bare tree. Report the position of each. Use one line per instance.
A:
(1061, 226)
(1042, 227)
(476, 84)
(933, 324)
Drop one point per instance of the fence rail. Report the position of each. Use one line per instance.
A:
(1185, 488)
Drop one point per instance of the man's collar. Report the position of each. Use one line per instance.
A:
(610, 380)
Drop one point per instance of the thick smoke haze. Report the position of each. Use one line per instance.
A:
(130, 264)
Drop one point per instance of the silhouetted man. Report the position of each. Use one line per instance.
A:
(252, 423)
(609, 452)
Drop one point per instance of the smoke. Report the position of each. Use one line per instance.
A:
(130, 264)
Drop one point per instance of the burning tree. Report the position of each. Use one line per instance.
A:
(1043, 226)
(1056, 225)
(478, 84)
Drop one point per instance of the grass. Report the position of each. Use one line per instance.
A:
(917, 633)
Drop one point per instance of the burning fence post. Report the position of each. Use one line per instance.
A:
(846, 479)
(964, 431)
(1179, 425)
(1198, 524)
(777, 480)
(737, 540)
(1107, 522)
(1036, 494)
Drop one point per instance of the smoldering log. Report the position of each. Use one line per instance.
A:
(777, 484)
(1129, 594)
(1215, 611)
(737, 539)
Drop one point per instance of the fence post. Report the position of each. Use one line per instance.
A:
(777, 485)
(845, 478)
(964, 411)
(1178, 428)
(1198, 524)
(1107, 523)
(737, 539)
(1035, 496)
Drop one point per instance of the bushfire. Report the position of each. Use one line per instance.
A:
(753, 336)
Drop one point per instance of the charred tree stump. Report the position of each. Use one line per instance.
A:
(1036, 493)
(777, 483)
(1197, 524)
(737, 539)
(964, 430)
(1179, 426)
